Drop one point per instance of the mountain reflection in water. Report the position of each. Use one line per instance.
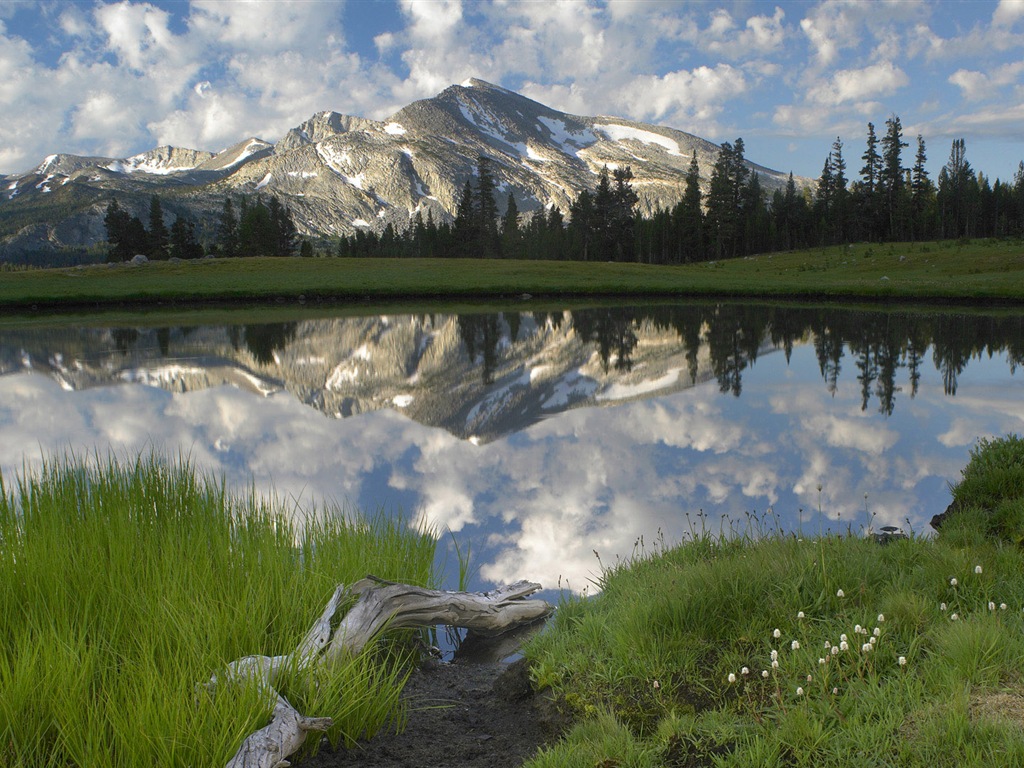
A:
(487, 423)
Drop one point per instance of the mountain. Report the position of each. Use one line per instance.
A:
(338, 173)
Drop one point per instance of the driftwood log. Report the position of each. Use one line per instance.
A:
(380, 604)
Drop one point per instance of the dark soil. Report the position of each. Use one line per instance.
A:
(462, 714)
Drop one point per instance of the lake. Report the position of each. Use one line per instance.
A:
(549, 441)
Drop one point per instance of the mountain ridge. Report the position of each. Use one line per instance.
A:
(339, 173)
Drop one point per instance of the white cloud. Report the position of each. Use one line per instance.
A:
(854, 85)
(976, 85)
(1008, 12)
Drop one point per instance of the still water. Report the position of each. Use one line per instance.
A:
(542, 437)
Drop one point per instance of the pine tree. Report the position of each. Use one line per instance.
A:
(486, 209)
(158, 240)
(891, 178)
(839, 218)
(125, 233)
(688, 216)
(227, 229)
(923, 194)
(868, 189)
(510, 229)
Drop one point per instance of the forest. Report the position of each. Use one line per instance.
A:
(733, 216)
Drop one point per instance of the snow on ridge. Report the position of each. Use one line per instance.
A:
(619, 391)
(561, 135)
(395, 129)
(617, 132)
(266, 180)
(47, 162)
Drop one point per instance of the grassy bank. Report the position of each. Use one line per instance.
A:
(781, 650)
(976, 271)
(124, 585)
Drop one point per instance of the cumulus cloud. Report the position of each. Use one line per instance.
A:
(851, 85)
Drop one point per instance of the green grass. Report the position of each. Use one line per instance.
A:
(124, 585)
(974, 271)
(671, 664)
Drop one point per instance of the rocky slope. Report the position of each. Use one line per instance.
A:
(338, 173)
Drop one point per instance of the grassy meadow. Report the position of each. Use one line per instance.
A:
(774, 649)
(979, 271)
(124, 585)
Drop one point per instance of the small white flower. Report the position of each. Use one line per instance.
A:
(977, 569)
(857, 630)
(775, 665)
(745, 671)
(835, 691)
(835, 650)
(732, 677)
(942, 606)
(799, 691)
(840, 593)
(777, 633)
(953, 582)
(657, 685)
(843, 638)
(799, 614)
(1002, 606)
(877, 632)
(954, 617)
(844, 646)
(991, 605)
(810, 678)
(775, 655)
(881, 618)
(795, 645)
(827, 645)
(821, 662)
(764, 673)
(872, 640)
(903, 661)
(867, 647)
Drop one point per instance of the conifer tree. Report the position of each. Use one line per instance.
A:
(227, 229)
(891, 178)
(689, 216)
(158, 239)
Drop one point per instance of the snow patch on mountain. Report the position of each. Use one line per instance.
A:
(575, 386)
(565, 137)
(265, 181)
(395, 129)
(625, 391)
(629, 133)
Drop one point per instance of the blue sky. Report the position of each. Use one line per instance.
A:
(117, 78)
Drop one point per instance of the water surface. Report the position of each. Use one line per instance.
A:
(542, 438)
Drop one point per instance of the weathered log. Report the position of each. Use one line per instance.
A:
(381, 605)
(387, 604)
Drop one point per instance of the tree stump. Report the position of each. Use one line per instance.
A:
(380, 605)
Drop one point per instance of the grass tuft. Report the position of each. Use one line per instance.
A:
(124, 584)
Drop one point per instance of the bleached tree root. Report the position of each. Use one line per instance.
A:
(381, 605)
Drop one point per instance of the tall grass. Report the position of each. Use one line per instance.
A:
(780, 650)
(125, 584)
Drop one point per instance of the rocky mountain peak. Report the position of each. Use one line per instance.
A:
(339, 173)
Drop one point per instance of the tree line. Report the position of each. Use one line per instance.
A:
(887, 201)
(259, 228)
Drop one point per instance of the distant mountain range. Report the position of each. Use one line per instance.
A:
(339, 173)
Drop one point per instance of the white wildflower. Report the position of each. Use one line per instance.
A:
(867, 647)
(821, 662)
(799, 614)
(840, 593)
(844, 646)
(942, 606)
(903, 661)
(795, 645)
(881, 618)
(764, 673)
(953, 582)
(991, 605)
(877, 632)
(745, 671)
(1002, 606)
(732, 677)
(954, 616)
(799, 691)
(775, 665)
(777, 633)
(977, 569)
(835, 650)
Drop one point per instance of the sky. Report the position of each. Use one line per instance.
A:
(118, 78)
